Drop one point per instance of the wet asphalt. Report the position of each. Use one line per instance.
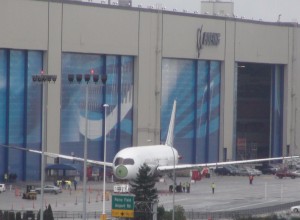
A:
(231, 193)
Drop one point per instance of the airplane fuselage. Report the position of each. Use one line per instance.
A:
(128, 161)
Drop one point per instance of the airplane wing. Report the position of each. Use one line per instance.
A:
(54, 155)
(193, 166)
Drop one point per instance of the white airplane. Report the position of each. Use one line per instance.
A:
(162, 159)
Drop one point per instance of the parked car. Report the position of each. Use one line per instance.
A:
(297, 166)
(285, 173)
(121, 188)
(295, 208)
(2, 187)
(49, 189)
(297, 173)
(225, 170)
(243, 171)
(234, 169)
(221, 171)
(253, 172)
(267, 169)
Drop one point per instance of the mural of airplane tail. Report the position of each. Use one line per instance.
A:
(95, 125)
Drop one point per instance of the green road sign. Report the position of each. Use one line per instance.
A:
(122, 206)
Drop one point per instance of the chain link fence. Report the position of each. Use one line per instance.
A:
(193, 215)
(75, 215)
(189, 214)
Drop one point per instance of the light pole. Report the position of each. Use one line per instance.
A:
(103, 216)
(87, 78)
(43, 79)
(174, 185)
(85, 148)
(170, 140)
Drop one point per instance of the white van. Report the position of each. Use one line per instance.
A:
(2, 187)
(121, 188)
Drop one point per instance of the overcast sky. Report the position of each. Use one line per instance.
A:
(267, 10)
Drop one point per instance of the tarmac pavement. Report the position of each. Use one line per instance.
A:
(231, 193)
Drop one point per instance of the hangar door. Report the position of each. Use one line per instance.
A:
(259, 110)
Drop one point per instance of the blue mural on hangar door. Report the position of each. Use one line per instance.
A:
(118, 94)
(196, 87)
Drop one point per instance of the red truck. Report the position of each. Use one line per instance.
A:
(285, 173)
(199, 174)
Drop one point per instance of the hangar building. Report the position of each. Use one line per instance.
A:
(235, 82)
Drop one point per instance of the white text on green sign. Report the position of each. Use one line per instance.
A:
(122, 202)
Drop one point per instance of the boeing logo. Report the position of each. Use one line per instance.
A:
(207, 39)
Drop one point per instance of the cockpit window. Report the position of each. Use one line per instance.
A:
(118, 161)
(128, 161)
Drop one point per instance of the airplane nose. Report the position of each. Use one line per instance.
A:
(121, 171)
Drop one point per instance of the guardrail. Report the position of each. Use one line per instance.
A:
(239, 213)
(189, 214)
(75, 215)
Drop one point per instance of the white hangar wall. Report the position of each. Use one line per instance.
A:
(99, 30)
(149, 36)
(180, 37)
(26, 28)
(292, 92)
(261, 43)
